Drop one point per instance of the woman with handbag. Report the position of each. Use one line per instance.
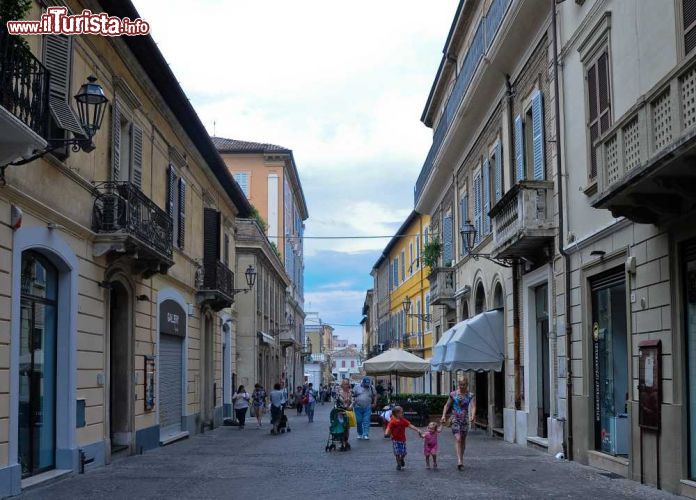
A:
(344, 402)
(241, 405)
(463, 407)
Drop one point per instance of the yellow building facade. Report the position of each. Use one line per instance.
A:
(408, 281)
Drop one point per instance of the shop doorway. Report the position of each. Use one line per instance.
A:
(120, 393)
(610, 363)
(37, 364)
(481, 378)
(498, 377)
(689, 273)
(543, 382)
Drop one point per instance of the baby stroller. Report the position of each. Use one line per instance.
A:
(282, 424)
(337, 427)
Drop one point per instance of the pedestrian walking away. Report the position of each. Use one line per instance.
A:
(344, 402)
(258, 398)
(277, 400)
(240, 400)
(430, 445)
(309, 401)
(365, 400)
(463, 407)
(396, 430)
(298, 399)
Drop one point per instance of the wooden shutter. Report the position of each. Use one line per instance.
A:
(477, 206)
(181, 235)
(211, 237)
(519, 149)
(137, 156)
(171, 187)
(463, 217)
(58, 61)
(689, 18)
(599, 105)
(486, 169)
(226, 250)
(498, 172)
(115, 141)
(538, 135)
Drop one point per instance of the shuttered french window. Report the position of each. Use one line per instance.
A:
(538, 135)
(519, 149)
(599, 105)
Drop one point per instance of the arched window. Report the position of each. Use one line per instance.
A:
(498, 300)
(480, 304)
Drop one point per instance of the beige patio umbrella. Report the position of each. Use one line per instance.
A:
(396, 362)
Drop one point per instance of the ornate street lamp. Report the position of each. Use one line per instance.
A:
(250, 275)
(91, 103)
(406, 305)
(468, 233)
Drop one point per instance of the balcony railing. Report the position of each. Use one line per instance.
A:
(23, 83)
(218, 278)
(480, 43)
(645, 164)
(523, 219)
(127, 221)
(442, 286)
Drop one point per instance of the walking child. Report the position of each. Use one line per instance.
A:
(396, 429)
(430, 443)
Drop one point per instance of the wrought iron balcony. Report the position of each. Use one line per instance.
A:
(523, 220)
(217, 287)
(480, 43)
(23, 100)
(645, 161)
(442, 287)
(127, 222)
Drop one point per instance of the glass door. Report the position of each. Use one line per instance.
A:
(541, 296)
(37, 365)
(610, 360)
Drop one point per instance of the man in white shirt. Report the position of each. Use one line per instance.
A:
(364, 400)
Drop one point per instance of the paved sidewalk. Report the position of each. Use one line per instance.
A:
(251, 464)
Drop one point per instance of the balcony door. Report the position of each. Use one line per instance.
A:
(37, 365)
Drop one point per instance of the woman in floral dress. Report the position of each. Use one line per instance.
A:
(344, 401)
(463, 407)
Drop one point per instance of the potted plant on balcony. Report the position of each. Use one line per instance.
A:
(431, 253)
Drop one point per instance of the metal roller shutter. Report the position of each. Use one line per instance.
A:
(170, 378)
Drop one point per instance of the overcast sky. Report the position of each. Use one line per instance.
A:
(343, 85)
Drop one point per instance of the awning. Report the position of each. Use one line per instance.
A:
(264, 337)
(475, 344)
(396, 361)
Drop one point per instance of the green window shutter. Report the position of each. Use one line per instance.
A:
(538, 135)
(137, 156)
(477, 206)
(519, 149)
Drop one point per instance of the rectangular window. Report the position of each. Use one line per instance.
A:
(352, 363)
(243, 179)
(478, 206)
(598, 104)
(447, 244)
(343, 363)
(418, 250)
(410, 258)
(497, 162)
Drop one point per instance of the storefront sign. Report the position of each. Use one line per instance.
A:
(172, 319)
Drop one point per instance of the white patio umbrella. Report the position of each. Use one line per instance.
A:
(478, 345)
(396, 362)
(437, 362)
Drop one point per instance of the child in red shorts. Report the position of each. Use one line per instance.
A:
(396, 429)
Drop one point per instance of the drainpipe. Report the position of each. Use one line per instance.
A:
(561, 250)
(510, 94)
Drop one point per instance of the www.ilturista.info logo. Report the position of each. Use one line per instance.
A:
(57, 21)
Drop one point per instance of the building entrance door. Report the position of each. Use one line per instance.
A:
(37, 365)
(689, 270)
(120, 395)
(541, 294)
(610, 363)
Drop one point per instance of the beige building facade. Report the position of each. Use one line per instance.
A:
(115, 314)
(268, 176)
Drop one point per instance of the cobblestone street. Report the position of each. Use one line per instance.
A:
(249, 464)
